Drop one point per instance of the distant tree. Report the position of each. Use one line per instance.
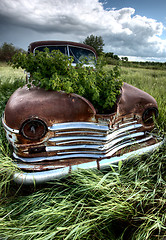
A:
(109, 54)
(125, 59)
(116, 57)
(96, 42)
(111, 58)
(7, 51)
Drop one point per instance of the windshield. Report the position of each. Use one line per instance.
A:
(80, 55)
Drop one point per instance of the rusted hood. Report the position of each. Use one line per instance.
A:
(59, 107)
(50, 106)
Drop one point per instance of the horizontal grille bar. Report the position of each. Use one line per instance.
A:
(78, 125)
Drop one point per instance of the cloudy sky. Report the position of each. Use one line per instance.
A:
(132, 28)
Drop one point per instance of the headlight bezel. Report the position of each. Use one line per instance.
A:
(149, 114)
(33, 129)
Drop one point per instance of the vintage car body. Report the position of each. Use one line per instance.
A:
(54, 133)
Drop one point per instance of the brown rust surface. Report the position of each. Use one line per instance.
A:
(50, 106)
(57, 107)
(134, 100)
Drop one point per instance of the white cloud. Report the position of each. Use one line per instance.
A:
(124, 33)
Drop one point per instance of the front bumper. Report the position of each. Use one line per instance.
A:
(45, 176)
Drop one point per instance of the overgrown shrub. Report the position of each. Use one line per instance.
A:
(54, 71)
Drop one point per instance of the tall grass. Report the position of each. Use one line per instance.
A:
(125, 202)
(10, 80)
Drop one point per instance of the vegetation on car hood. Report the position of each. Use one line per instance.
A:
(54, 71)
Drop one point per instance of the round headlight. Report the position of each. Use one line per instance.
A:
(33, 129)
(149, 115)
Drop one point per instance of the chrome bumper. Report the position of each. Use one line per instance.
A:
(45, 176)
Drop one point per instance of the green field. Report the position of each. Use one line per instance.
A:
(125, 202)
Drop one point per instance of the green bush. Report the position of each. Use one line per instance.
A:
(54, 71)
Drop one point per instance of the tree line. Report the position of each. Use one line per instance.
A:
(7, 51)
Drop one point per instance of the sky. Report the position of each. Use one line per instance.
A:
(130, 28)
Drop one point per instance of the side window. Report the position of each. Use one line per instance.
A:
(62, 49)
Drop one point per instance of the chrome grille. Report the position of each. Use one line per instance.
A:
(90, 140)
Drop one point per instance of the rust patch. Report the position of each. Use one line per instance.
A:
(134, 100)
(98, 164)
(50, 165)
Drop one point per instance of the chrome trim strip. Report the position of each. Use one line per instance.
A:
(73, 147)
(121, 131)
(78, 125)
(59, 157)
(38, 166)
(126, 123)
(100, 147)
(8, 128)
(83, 132)
(120, 146)
(129, 137)
(69, 138)
(108, 152)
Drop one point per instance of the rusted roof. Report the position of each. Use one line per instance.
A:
(33, 45)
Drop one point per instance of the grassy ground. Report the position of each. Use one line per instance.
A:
(125, 202)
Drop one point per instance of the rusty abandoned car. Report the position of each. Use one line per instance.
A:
(53, 133)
